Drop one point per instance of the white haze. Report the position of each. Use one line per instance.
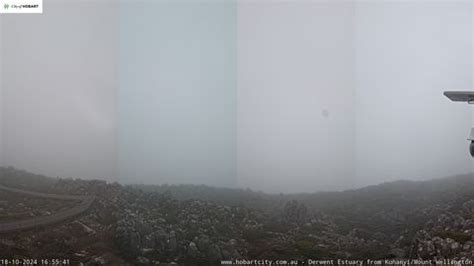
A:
(59, 89)
(275, 96)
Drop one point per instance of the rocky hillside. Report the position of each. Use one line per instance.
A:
(204, 225)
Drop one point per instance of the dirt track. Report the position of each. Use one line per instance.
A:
(86, 202)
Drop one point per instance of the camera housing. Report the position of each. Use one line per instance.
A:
(471, 145)
(471, 148)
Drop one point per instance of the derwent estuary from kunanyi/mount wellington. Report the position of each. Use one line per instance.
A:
(236, 132)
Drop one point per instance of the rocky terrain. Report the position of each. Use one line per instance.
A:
(199, 225)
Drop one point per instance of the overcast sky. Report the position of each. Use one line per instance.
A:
(59, 89)
(280, 97)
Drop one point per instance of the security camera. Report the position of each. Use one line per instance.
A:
(471, 146)
(463, 96)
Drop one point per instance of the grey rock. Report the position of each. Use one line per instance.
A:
(192, 250)
(143, 261)
(398, 253)
(214, 253)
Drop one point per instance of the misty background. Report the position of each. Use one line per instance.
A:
(274, 96)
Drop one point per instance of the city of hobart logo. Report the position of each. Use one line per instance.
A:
(21, 6)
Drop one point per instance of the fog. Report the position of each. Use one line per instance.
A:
(177, 93)
(59, 87)
(1, 95)
(406, 55)
(276, 96)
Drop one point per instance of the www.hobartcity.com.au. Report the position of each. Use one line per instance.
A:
(347, 262)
